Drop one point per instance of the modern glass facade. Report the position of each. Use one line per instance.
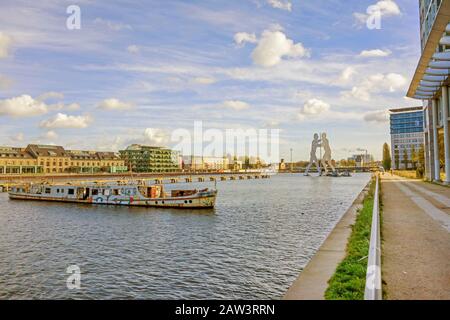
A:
(407, 136)
(434, 36)
(150, 159)
(428, 12)
(408, 122)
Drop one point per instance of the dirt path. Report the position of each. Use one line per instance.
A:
(416, 239)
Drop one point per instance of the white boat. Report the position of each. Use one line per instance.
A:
(127, 194)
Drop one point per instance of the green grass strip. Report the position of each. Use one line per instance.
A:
(349, 279)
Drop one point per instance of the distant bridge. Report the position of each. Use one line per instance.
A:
(339, 169)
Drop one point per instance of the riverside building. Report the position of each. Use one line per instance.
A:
(431, 82)
(50, 159)
(205, 163)
(407, 136)
(139, 158)
(18, 161)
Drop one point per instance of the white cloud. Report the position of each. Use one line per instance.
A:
(51, 135)
(386, 8)
(133, 49)
(379, 82)
(361, 18)
(360, 93)
(236, 105)
(380, 116)
(241, 38)
(156, 137)
(62, 120)
(114, 104)
(22, 106)
(50, 95)
(395, 81)
(273, 46)
(113, 25)
(375, 53)
(5, 43)
(204, 80)
(18, 137)
(279, 4)
(73, 107)
(347, 73)
(313, 107)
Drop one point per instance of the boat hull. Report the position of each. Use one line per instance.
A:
(196, 202)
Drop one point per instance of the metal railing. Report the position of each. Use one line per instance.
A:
(373, 289)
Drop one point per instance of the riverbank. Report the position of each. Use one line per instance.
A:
(312, 282)
(349, 280)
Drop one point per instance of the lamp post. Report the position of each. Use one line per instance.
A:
(292, 164)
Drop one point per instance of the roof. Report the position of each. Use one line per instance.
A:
(82, 155)
(108, 156)
(14, 153)
(46, 151)
(408, 109)
(139, 147)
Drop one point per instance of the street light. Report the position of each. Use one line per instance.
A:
(292, 164)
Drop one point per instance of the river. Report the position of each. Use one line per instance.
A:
(251, 246)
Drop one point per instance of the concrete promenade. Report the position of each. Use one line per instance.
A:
(416, 239)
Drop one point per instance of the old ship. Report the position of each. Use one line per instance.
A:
(128, 194)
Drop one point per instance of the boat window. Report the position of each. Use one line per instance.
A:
(57, 190)
(106, 192)
(94, 192)
(62, 190)
(48, 190)
(70, 191)
(115, 192)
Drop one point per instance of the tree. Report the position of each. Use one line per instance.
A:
(421, 162)
(414, 157)
(405, 158)
(397, 159)
(343, 163)
(421, 155)
(387, 161)
(247, 162)
(441, 149)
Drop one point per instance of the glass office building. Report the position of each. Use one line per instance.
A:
(431, 84)
(407, 137)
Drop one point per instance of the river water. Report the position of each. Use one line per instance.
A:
(251, 246)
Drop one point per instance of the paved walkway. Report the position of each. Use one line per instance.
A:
(416, 239)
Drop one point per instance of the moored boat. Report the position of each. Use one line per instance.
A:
(127, 194)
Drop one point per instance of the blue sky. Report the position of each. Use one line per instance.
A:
(137, 70)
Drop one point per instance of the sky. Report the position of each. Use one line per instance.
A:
(136, 71)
